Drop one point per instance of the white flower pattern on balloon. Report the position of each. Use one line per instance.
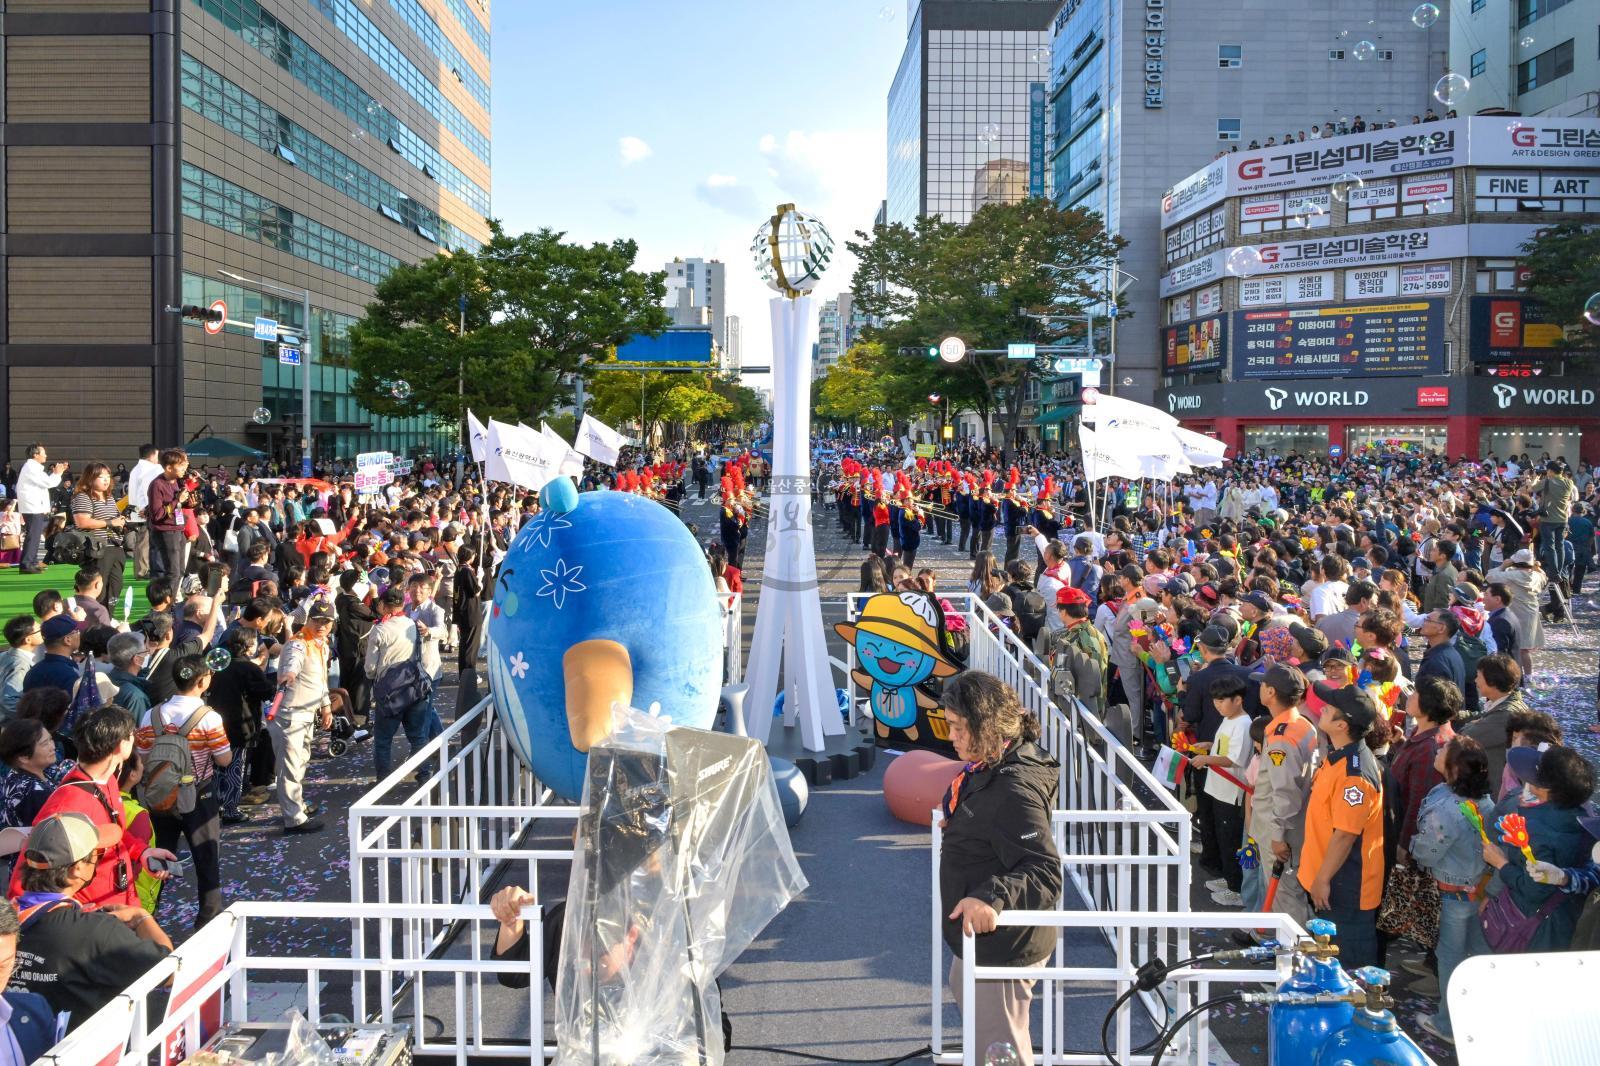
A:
(543, 528)
(519, 666)
(560, 581)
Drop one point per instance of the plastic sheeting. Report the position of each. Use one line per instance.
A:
(682, 859)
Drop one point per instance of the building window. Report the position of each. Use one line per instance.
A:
(1228, 129)
(1385, 54)
(1544, 68)
(1335, 54)
(1230, 56)
(1533, 10)
(1477, 5)
(1480, 61)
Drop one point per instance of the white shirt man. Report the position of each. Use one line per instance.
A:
(34, 483)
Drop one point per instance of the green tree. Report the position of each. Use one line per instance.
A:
(685, 393)
(990, 283)
(1564, 266)
(534, 307)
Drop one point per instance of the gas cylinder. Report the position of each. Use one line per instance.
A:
(1373, 1037)
(1295, 1031)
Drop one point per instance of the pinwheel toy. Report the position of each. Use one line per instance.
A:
(1514, 831)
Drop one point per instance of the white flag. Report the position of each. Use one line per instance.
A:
(570, 462)
(520, 456)
(599, 441)
(1099, 462)
(1111, 412)
(477, 437)
(1199, 449)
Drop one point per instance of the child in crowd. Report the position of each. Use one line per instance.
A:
(1230, 754)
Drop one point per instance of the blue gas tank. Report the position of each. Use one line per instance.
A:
(1373, 1037)
(1297, 1031)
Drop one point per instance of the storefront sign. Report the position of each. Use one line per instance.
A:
(1544, 142)
(1358, 250)
(1155, 52)
(1258, 208)
(1366, 340)
(1426, 279)
(1200, 190)
(1181, 309)
(1511, 329)
(1324, 398)
(1428, 187)
(1372, 194)
(1556, 190)
(1434, 146)
(1288, 289)
(1208, 301)
(1196, 346)
(1192, 275)
(1310, 210)
(1372, 283)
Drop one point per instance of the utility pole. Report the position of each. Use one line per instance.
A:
(305, 357)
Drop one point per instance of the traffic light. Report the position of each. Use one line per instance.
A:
(209, 315)
(930, 352)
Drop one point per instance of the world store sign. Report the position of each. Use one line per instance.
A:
(1155, 53)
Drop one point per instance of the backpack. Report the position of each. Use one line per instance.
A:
(168, 786)
(402, 686)
(1029, 608)
(1471, 650)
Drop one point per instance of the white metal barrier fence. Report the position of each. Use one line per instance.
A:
(209, 980)
(1058, 981)
(443, 841)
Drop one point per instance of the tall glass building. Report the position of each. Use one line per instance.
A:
(171, 152)
(967, 108)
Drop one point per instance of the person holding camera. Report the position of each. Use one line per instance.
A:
(34, 483)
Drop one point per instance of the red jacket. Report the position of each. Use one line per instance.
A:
(309, 546)
(93, 802)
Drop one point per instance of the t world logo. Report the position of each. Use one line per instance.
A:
(1176, 403)
(1538, 396)
(1276, 397)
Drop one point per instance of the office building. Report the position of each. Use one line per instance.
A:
(830, 338)
(733, 346)
(1145, 91)
(152, 144)
(707, 279)
(1372, 296)
(685, 309)
(1535, 57)
(967, 107)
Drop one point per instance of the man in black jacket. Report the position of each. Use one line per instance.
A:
(998, 852)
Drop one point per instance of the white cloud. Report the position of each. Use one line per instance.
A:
(724, 192)
(633, 150)
(769, 144)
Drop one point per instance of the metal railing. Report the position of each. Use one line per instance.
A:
(211, 977)
(1061, 986)
(453, 836)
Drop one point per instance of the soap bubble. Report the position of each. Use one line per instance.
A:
(1244, 262)
(1425, 15)
(1001, 1053)
(1342, 35)
(1436, 205)
(1526, 42)
(1303, 214)
(1591, 310)
(886, 13)
(358, 134)
(261, 416)
(990, 132)
(1345, 184)
(1365, 50)
(1040, 55)
(219, 659)
(400, 390)
(1450, 88)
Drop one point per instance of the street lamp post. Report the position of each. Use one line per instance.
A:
(305, 357)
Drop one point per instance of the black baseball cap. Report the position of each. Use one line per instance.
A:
(1312, 641)
(1216, 638)
(1357, 707)
(1259, 600)
(1285, 680)
(320, 612)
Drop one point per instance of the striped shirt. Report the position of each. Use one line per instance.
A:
(207, 737)
(98, 509)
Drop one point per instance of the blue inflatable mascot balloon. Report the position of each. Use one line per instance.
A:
(897, 644)
(602, 597)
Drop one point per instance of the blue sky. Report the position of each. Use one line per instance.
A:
(682, 126)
